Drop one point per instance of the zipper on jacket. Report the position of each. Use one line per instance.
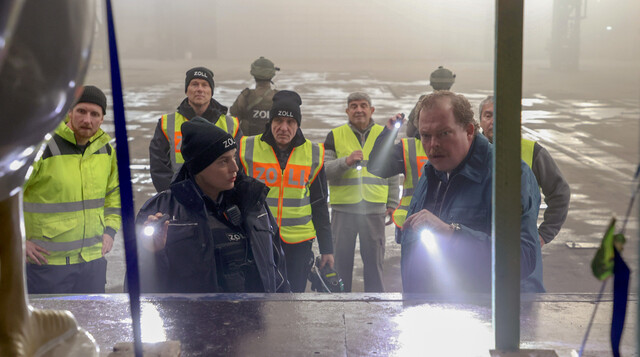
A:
(444, 195)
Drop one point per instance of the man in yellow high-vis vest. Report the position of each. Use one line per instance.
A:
(293, 169)
(165, 157)
(555, 188)
(72, 204)
(360, 201)
(406, 157)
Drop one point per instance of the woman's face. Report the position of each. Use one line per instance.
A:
(220, 175)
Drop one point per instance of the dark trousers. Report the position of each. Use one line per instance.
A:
(82, 278)
(299, 258)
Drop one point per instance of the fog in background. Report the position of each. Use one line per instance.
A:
(585, 111)
(359, 29)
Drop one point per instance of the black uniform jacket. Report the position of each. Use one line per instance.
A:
(187, 263)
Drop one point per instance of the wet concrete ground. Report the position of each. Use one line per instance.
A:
(588, 120)
(356, 324)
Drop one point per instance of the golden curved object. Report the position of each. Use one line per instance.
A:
(44, 52)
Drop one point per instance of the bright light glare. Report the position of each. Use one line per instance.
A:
(397, 125)
(28, 151)
(62, 100)
(609, 28)
(151, 324)
(359, 167)
(429, 240)
(440, 330)
(29, 172)
(149, 231)
(16, 164)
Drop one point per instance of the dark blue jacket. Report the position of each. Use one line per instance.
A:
(187, 263)
(463, 263)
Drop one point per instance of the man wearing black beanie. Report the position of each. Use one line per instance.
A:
(165, 156)
(293, 168)
(221, 236)
(72, 204)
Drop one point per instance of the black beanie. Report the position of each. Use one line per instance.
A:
(92, 94)
(201, 73)
(286, 103)
(203, 143)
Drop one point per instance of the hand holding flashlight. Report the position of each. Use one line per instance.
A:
(355, 159)
(395, 122)
(424, 219)
(154, 233)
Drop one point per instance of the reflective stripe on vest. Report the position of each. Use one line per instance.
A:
(356, 185)
(68, 246)
(171, 125)
(414, 159)
(288, 197)
(526, 152)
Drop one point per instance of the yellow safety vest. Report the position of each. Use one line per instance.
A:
(414, 158)
(288, 197)
(71, 197)
(356, 185)
(171, 128)
(527, 151)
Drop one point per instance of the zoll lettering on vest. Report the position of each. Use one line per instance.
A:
(288, 196)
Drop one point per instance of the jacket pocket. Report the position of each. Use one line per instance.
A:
(184, 249)
(262, 223)
(56, 227)
(472, 217)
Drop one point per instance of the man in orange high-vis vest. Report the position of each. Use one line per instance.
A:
(293, 169)
(165, 157)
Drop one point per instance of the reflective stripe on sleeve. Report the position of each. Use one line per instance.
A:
(34, 207)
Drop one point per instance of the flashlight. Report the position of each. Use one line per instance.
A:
(150, 229)
(428, 239)
(399, 120)
(358, 165)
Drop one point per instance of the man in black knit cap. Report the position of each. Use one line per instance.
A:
(217, 234)
(293, 168)
(72, 204)
(165, 157)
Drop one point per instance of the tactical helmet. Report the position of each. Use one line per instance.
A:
(263, 68)
(442, 79)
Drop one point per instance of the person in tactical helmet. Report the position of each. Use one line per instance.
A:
(252, 105)
(440, 79)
